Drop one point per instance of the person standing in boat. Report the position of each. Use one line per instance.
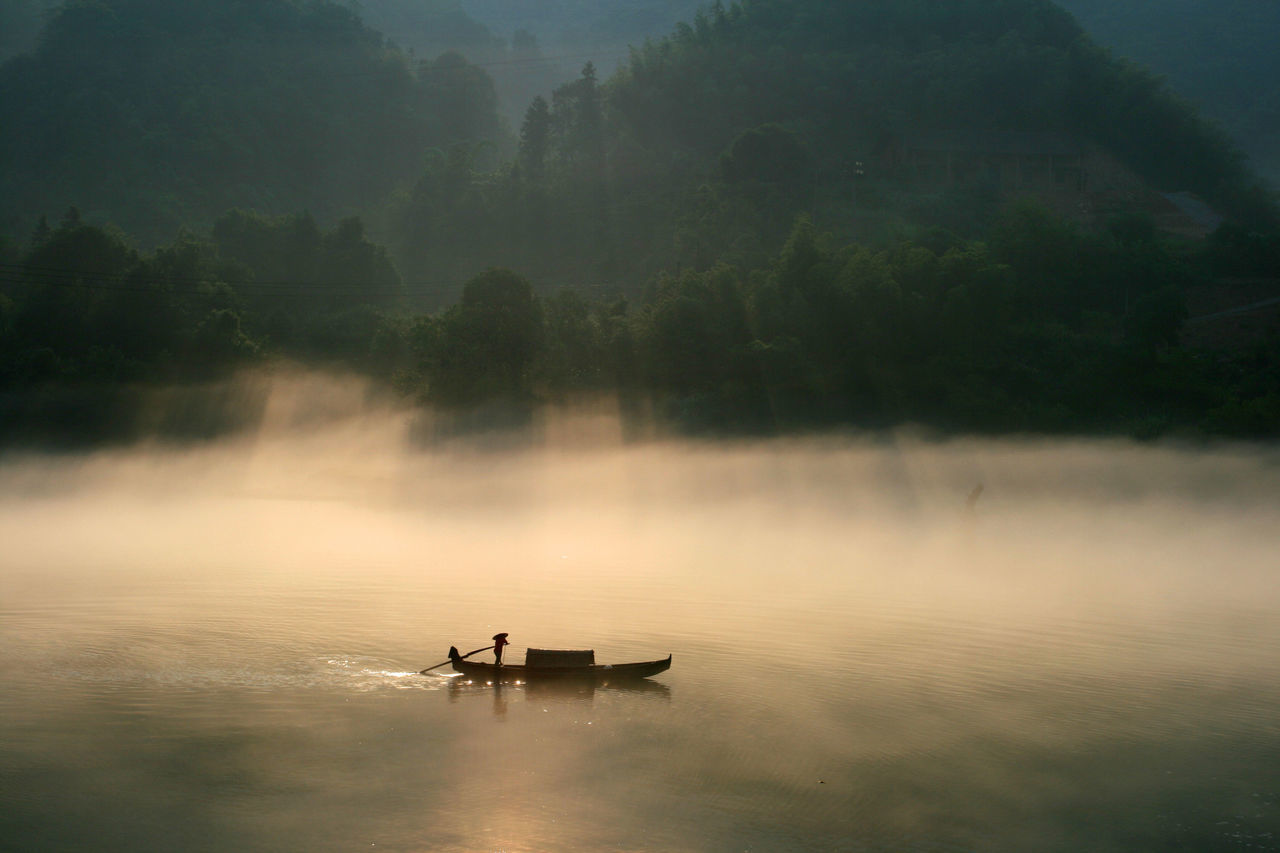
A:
(499, 641)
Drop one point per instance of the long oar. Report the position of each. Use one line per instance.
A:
(450, 660)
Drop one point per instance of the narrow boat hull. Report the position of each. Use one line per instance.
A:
(598, 673)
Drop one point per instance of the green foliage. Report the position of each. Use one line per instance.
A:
(1156, 319)
(577, 125)
(457, 102)
(574, 357)
(1239, 251)
(432, 27)
(485, 346)
(1048, 328)
(535, 138)
(20, 25)
(710, 142)
(84, 306)
(219, 339)
(739, 172)
(282, 260)
(853, 73)
(156, 114)
(770, 167)
(1214, 52)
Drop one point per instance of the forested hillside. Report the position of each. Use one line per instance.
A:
(527, 48)
(431, 27)
(1044, 328)
(154, 114)
(710, 141)
(786, 214)
(579, 23)
(1221, 54)
(846, 75)
(20, 22)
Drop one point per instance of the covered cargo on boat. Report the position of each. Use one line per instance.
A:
(546, 658)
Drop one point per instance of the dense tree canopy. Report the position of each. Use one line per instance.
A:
(848, 74)
(1218, 53)
(711, 140)
(1046, 327)
(716, 235)
(154, 114)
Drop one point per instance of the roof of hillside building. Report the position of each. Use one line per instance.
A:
(1195, 209)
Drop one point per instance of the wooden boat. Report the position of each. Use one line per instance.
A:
(543, 664)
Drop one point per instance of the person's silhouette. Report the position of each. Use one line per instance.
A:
(499, 640)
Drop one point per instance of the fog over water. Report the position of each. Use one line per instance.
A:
(216, 646)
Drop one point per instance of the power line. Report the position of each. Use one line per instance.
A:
(42, 273)
(532, 60)
(135, 280)
(432, 66)
(132, 282)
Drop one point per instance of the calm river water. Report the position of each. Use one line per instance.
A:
(217, 649)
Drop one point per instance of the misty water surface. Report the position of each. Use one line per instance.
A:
(216, 648)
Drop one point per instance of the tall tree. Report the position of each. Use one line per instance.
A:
(535, 137)
(488, 341)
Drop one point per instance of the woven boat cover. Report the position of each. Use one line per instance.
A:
(539, 658)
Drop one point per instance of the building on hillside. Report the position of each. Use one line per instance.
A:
(1187, 214)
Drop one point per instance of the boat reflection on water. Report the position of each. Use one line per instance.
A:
(461, 686)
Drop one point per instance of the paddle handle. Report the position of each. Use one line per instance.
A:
(450, 660)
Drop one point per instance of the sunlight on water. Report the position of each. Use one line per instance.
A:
(219, 647)
(368, 674)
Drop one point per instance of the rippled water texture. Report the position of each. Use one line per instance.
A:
(217, 649)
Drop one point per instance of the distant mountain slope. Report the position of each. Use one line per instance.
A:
(529, 48)
(431, 27)
(20, 22)
(844, 74)
(518, 60)
(584, 22)
(155, 114)
(1222, 54)
(709, 143)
